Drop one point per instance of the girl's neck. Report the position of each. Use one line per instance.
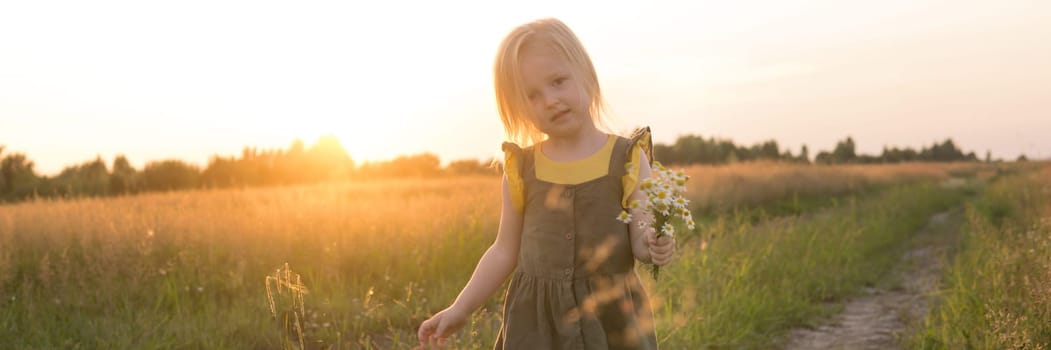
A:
(576, 147)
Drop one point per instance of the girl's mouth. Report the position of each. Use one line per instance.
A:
(558, 116)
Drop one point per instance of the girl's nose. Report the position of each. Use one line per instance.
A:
(550, 99)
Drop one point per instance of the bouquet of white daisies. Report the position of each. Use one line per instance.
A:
(665, 204)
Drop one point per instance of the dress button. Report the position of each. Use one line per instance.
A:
(569, 236)
(567, 271)
(567, 194)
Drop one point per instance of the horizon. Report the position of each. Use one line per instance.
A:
(813, 152)
(135, 79)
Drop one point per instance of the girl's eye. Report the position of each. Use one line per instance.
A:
(558, 81)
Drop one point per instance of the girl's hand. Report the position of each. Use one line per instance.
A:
(661, 249)
(434, 331)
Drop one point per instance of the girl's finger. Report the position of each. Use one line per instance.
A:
(426, 329)
(662, 252)
(657, 260)
(658, 250)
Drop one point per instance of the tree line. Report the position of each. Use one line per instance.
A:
(326, 160)
(694, 149)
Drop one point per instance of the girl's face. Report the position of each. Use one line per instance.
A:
(559, 106)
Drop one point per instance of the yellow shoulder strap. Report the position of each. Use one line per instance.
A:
(641, 143)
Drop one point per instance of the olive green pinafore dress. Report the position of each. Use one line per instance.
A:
(575, 286)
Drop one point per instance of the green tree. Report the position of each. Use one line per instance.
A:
(417, 165)
(90, 178)
(123, 178)
(170, 174)
(18, 180)
(844, 151)
(471, 167)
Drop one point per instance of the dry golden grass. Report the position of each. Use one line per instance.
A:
(718, 188)
(199, 258)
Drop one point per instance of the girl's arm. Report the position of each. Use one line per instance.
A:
(639, 241)
(644, 244)
(492, 270)
(498, 261)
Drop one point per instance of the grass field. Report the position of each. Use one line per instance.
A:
(998, 290)
(189, 269)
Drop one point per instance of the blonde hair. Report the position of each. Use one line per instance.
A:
(511, 98)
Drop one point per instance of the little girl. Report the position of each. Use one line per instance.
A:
(574, 285)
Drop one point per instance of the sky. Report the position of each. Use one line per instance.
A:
(193, 79)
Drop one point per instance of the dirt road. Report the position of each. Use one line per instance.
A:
(880, 317)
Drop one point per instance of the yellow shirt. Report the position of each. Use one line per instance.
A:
(574, 172)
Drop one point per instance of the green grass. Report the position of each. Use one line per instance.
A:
(998, 290)
(752, 283)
